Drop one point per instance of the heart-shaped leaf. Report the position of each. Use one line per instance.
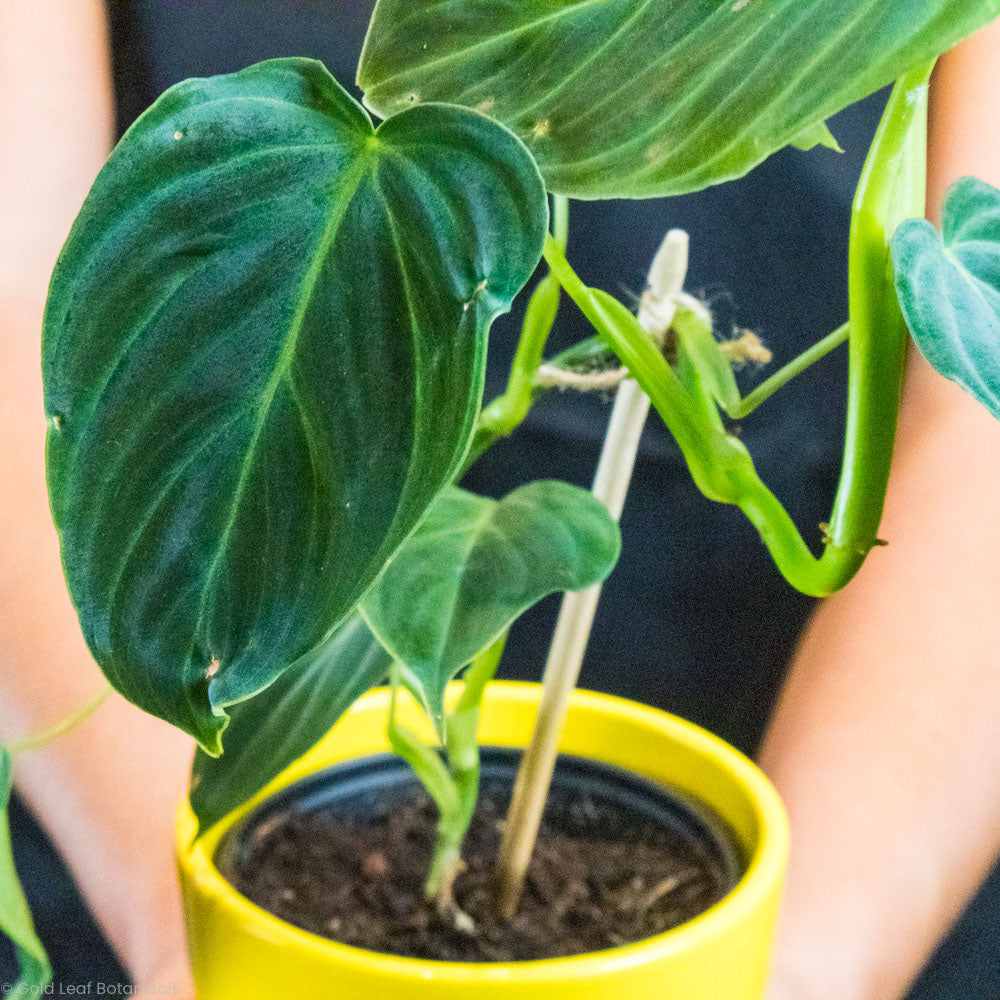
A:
(272, 730)
(639, 98)
(474, 565)
(15, 917)
(949, 288)
(263, 358)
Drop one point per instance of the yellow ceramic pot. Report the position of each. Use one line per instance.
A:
(241, 952)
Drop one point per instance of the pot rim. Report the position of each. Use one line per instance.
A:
(764, 865)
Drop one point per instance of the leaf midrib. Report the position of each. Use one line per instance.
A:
(352, 182)
(471, 534)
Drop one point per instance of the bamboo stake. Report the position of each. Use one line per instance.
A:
(576, 614)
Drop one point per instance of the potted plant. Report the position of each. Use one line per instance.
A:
(263, 355)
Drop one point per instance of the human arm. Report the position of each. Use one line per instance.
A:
(885, 744)
(106, 791)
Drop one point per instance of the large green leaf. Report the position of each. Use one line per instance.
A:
(15, 917)
(474, 565)
(275, 728)
(263, 358)
(638, 98)
(949, 288)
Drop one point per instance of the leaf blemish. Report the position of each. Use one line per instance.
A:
(481, 287)
(739, 5)
(178, 136)
(540, 129)
(58, 421)
(486, 105)
(655, 151)
(213, 668)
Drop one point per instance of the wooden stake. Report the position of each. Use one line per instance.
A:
(576, 614)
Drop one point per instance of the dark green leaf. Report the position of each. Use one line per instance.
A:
(474, 565)
(949, 288)
(263, 358)
(275, 728)
(15, 917)
(639, 98)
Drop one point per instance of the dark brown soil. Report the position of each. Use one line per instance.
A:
(600, 878)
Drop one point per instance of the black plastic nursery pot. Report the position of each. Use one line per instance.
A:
(631, 767)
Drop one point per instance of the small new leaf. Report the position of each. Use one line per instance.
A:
(474, 565)
(948, 285)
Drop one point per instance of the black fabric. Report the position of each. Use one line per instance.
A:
(695, 619)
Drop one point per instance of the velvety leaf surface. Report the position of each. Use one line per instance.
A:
(263, 358)
(637, 98)
(275, 728)
(949, 288)
(15, 917)
(474, 565)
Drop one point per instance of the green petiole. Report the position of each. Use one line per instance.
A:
(785, 374)
(707, 372)
(720, 465)
(462, 751)
(424, 759)
(452, 781)
(560, 219)
(503, 415)
(36, 740)
(892, 188)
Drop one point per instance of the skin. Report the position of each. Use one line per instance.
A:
(107, 791)
(885, 744)
(887, 722)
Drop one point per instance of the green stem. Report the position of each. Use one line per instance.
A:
(642, 356)
(784, 375)
(891, 188)
(427, 764)
(35, 740)
(462, 749)
(481, 671)
(560, 219)
(505, 413)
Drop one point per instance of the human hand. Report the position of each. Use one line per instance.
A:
(800, 972)
(173, 975)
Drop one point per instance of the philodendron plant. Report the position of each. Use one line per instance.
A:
(265, 341)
